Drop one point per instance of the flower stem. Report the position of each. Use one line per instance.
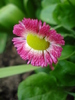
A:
(56, 27)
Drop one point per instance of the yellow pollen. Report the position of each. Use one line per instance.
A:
(36, 42)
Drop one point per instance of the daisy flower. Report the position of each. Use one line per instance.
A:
(37, 43)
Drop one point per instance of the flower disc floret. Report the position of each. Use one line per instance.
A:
(36, 42)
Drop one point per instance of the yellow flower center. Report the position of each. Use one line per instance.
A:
(37, 43)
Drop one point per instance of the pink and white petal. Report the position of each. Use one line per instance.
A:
(48, 58)
(57, 38)
(55, 34)
(42, 60)
(25, 51)
(53, 56)
(30, 55)
(22, 47)
(31, 25)
(58, 49)
(61, 42)
(37, 59)
(40, 24)
(44, 30)
(44, 24)
(19, 29)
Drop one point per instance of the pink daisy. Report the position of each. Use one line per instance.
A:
(37, 43)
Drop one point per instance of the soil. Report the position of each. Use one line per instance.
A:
(9, 85)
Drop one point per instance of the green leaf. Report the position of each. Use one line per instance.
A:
(45, 69)
(73, 94)
(38, 12)
(29, 8)
(13, 70)
(64, 15)
(72, 58)
(70, 30)
(10, 15)
(1, 3)
(3, 39)
(40, 87)
(46, 3)
(47, 14)
(65, 30)
(68, 51)
(72, 1)
(18, 3)
(67, 35)
(65, 73)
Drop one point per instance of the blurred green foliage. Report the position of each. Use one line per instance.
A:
(40, 86)
(60, 15)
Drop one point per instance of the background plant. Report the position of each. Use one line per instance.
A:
(59, 14)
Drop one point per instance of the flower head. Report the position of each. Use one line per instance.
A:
(37, 43)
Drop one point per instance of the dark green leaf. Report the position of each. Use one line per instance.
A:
(3, 39)
(29, 7)
(45, 69)
(40, 87)
(38, 12)
(3, 29)
(65, 73)
(68, 51)
(70, 30)
(64, 14)
(1, 3)
(72, 2)
(70, 40)
(72, 58)
(64, 31)
(67, 35)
